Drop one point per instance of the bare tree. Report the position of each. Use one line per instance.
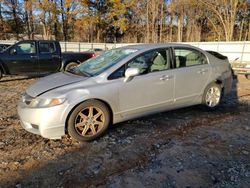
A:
(13, 12)
(29, 17)
(224, 11)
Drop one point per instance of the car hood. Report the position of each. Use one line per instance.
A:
(53, 81)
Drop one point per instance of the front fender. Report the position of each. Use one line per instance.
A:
(4, 68)
(63, 65)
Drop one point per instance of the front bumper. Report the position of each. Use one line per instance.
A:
(47, 122)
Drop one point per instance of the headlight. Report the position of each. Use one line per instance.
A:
(41, 103)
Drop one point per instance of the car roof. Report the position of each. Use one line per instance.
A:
(5, 44)
(153, 46)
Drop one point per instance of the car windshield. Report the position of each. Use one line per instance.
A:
(99, 64)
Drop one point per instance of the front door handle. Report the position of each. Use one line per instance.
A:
(33, 57)
(55, 56)
(166, 77)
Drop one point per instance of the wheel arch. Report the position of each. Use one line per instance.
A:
(3, 68)
(66, 62)
(96, 99)
(220, 82)
(216, 81)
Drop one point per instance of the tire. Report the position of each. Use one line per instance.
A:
(70, 65)
(1, 73)
(212, 96)
(88, 120)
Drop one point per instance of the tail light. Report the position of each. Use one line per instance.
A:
(93, 55)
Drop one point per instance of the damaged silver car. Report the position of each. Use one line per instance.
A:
(122, 84)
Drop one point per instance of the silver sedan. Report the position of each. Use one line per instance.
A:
(123, 84)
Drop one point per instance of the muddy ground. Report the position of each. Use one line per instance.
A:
(190, 147)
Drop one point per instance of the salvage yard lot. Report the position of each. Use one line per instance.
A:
(189, 147)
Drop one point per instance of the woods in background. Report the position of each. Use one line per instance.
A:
(149, 21)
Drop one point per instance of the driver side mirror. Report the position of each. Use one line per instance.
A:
(13, 51)
(130, 73)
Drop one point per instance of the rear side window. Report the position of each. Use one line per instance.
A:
(188, 57)
(47, 47)
(218, 55)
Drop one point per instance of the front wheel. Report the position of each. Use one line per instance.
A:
(70, 65)
(88, 120)
(212, 96)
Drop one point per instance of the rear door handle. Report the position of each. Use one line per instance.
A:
(166, 77)
(202, 71)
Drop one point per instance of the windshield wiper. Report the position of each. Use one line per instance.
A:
(77, 71)
(86, 73)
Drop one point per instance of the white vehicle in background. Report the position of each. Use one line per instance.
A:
(241, 68)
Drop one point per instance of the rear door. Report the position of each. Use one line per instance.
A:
(22, 58)
(192, 72)
(49, 57)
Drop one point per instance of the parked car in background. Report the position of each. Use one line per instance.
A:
(4, 46)
(35, 57)
(240, 68)
(122, 84)
(97, 51)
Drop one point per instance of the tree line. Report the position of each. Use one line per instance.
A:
(143, 21)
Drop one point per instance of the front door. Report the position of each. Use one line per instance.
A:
(153, 89)
(22, 58)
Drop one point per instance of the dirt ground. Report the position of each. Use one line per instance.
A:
(190, 147)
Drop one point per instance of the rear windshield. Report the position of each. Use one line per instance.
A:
(218, 55)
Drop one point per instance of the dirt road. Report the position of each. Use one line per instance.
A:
(189, 147)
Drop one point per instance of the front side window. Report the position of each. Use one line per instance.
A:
(24, 48)
(119, 73)
(47, 47)
(152, 61)
(188, 57)
(156, 60)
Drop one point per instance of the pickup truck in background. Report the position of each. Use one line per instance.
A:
(38, 57)
(4, 46)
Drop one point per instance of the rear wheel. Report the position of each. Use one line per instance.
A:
(212, 96)
(70, 65)
(88, 120)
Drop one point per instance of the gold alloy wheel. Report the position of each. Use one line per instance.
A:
(89, 121)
